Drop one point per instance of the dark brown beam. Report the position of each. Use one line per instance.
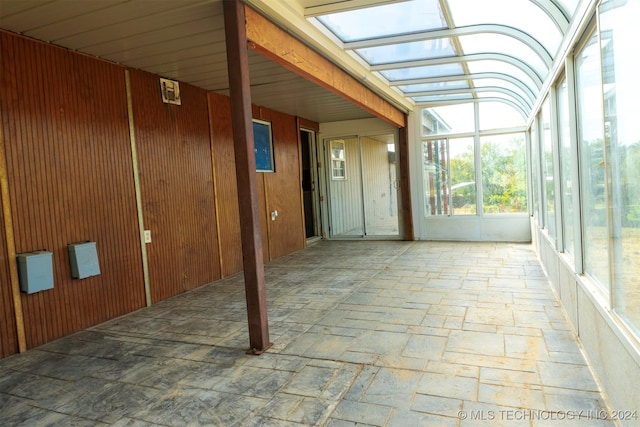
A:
(238, 64)
(405, 185)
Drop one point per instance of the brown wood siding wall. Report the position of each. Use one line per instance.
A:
(8, 337)
(176, 180)
(284, 187)
(281, 190)
(69, 163)
(70, 179)
(226, 186)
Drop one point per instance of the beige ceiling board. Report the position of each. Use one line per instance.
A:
(319, 7)
(145, 31)
(178, 39)
(29, 16)
(167, 45)
(11, 7)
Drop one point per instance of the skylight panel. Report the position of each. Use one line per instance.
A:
(441, 98)
(493, 66)
(498, 43)
(427, 87)
(424, 72)
(385, 20)
(413, 51)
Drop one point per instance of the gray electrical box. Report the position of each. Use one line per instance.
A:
(35, 271)
(83, 258)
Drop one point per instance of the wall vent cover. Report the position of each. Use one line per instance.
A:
(170, 91)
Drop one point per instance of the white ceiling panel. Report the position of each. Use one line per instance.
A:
(145, 30)
(177, 39)
(27, 16)
(111, 12)
(103, 44)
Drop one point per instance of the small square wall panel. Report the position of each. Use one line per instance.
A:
(35, 271)
(83, 258)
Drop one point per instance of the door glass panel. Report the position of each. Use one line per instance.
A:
(380, 185)
(345, 194)
(364, 200)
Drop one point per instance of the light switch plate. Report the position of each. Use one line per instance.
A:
(147, 236)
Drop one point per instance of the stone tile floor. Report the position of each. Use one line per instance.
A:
(364, 333)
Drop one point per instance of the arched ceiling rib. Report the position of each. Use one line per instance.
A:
(475, 77)
(525, 38)
(463, 59)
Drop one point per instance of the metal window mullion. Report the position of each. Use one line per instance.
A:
(557, 177)
(529, 161)
(477, 160)
(362, 195)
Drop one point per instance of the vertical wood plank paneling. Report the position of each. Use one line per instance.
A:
(9, 341)
(176, 180)
(226, 186)
(70, 180)
(280, 191)
(284, 187)
(8, 337)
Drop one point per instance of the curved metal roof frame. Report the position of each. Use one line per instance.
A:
(506, 101)
(477, 76)
(526, 38)
(464, 58)
(558, 17)
(555, 12)
(515, 96)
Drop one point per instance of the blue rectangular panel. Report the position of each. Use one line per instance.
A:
(35, 271)
(83, 258)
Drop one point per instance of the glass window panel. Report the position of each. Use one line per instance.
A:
(448, 119)
(592, 158)
(521, 14)
(449, 177)
(498, 115)
(461, 84)
(499, 43)
(386, 20)
(619, 35)
(413, 51)
(547, 170)
(440, 98)
(492, 66)
(504, 173)
(425, 72)
(535, 170)
(564, 126)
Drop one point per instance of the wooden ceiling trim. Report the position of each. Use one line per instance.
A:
(272, 42)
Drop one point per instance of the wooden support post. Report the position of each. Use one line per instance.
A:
(240, 91)
(405, 186)
(11, 246)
